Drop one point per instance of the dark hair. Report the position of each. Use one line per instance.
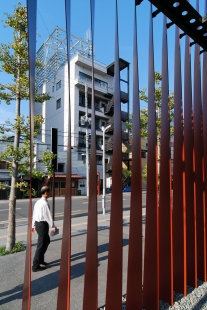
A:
(44, 189)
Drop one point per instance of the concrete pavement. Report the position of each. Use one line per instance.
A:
(45, 283)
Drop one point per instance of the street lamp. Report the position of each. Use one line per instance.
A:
(85, 120)
(104, 172)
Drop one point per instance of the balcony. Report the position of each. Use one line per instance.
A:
(87, 62)
(80, 81)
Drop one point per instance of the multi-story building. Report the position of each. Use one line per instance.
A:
(52, 77)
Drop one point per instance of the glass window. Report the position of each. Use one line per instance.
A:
(3, 165)
(60, 167)
(98, 159)
(81, 100)
(53, 89)
(56, 184)
(80, 156)
(143, 153)
(58, 85)
(97, 82)
(62, 184)
(58, 104)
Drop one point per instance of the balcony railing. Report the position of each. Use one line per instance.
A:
(88, 81)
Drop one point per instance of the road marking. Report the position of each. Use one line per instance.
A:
(100, 201)
(24, 219)
(73, 225)
(8, 209)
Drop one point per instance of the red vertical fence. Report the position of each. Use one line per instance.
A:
(114, 274)
(198, 142)
(165, 201)
(134, 281)
(189, 172)
(90, 298)
(151, 258)
(63, 299)
(175, 237)
(179, 211)
(204, 101)
(31, 19)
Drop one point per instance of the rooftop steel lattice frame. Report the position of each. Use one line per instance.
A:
(183, 14)
(52, 55)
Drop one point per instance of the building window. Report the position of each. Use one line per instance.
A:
(58, 104)
(143, 153)
(58, 85)
(62, 185)
(53, 89)
(60, 167)
(81, 100)
(80, 157)
(88, 79)
(3, 165)
(98, 159)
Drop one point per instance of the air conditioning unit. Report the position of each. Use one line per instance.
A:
(82, 120)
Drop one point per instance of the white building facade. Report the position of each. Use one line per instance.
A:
(52, 78)
(55, 110)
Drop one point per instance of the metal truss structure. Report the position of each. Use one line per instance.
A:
(52, 55)
(185, 17)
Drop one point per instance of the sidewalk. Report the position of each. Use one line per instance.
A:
(44, 286)
(45, 283)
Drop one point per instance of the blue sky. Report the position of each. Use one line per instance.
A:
(50, 14)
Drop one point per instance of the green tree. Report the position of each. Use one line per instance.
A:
(144, 113)
(14, 61)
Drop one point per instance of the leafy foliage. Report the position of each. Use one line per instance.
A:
(158, 104)
(18, 247)
(126, 172)
(14, 61)
(21, 155)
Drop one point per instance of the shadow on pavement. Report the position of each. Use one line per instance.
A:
(50, 281)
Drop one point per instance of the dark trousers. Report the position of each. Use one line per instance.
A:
(42, 229)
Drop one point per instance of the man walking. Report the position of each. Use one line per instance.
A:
(41, 221)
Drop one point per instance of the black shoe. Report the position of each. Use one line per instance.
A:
(39, 268)
(44, 263)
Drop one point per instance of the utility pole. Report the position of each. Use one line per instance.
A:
(86, 121)
(87, 146)
(104, 171)
(54, 148)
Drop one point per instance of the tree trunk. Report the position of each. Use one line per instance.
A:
(12, 197)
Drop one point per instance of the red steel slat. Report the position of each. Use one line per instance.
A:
(189, 172)
(204, 99)
(151, 259)
(114, 273)
(134, 280)
(31, 19)
(179, 212)
(198, 142)
(165, 202)
(63, 299)
(90, 298)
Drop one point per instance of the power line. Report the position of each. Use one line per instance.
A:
(43, 21)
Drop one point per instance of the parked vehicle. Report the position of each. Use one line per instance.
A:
(127, 189)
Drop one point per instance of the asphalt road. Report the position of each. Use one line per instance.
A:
(79, 207)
